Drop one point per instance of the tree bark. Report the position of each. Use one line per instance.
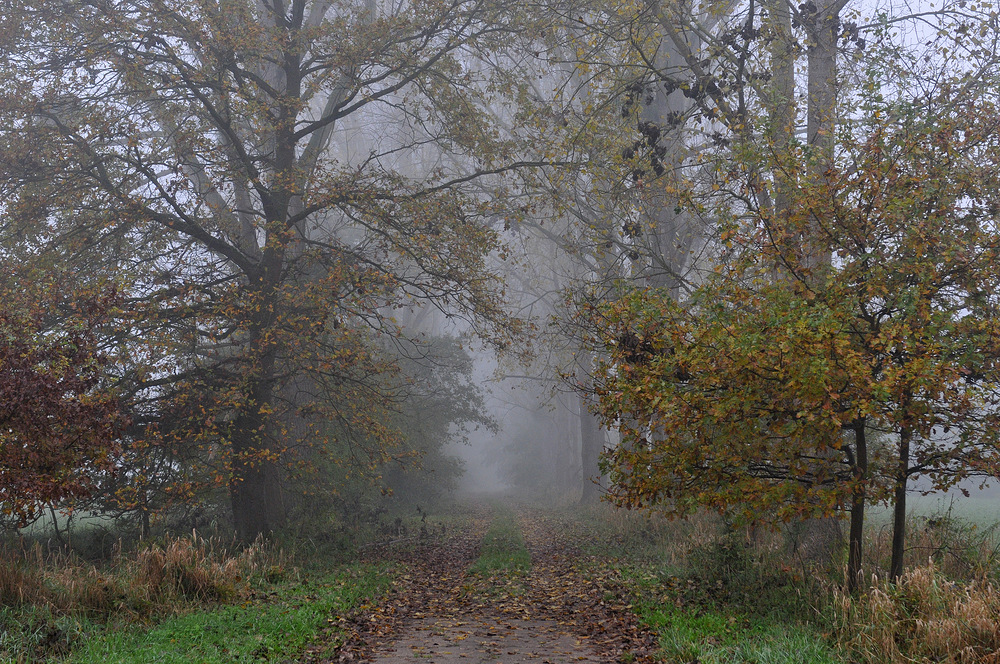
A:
(821, 121)
(672, 233)
(856, 537)
(256, 497)
(255, 481)
(822, 26)
(781, 102)
(899, 504)
(591, 446)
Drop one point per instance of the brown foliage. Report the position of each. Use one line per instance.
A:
(58, 420)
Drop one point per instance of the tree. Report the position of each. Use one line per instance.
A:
(58, 420)
(760, 392)
(294, 171)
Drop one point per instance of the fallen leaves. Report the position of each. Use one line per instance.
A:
(556, 599)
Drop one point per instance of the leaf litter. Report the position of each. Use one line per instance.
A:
(562, 610)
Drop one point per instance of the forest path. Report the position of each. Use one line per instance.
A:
(559, 611)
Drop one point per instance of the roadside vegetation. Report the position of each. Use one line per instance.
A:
(281, 621)
(710, 591)
(179, 599)
(717, 593)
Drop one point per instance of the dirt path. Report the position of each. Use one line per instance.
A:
(555, 614)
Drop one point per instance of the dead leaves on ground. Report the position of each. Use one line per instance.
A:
(593, 607)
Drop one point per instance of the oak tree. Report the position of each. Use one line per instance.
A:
(274, 178)
(759, 392)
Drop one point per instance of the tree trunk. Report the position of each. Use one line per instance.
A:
(821, 120)
(673, 233)
(899, 506)
(591, 446)
(823, 28)
(781, 101)
(856, 538)
(255, 482)
(255, 494)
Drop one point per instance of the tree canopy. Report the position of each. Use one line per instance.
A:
(287, 175)
(760, 391)
(265, 234)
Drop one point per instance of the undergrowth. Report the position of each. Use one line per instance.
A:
(275, 626)
(53, 601)
(713, 594)
(923, 618)
(718, 595)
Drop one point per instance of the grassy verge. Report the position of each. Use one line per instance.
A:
(170, 600)
(276, 626)
(693, 627)
(923, 617)
(502, 549)
(717, 597)
(708, 595)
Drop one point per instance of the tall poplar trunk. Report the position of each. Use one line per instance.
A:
(673, 233)
(781, 101)
(823, 28)
(591, 444)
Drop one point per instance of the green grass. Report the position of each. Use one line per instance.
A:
(706, 596)
(502, 549)
(981, 512)
(272, 630)
(717, 637)
(718, 633)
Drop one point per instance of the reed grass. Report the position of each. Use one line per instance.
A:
(922, 618)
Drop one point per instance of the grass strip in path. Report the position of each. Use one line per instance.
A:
(431, 584)
(502, 549)
(276, 629)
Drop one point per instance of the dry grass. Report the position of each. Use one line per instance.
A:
(923, 618)
(156, 577)
(959, 549)
(650, 535)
